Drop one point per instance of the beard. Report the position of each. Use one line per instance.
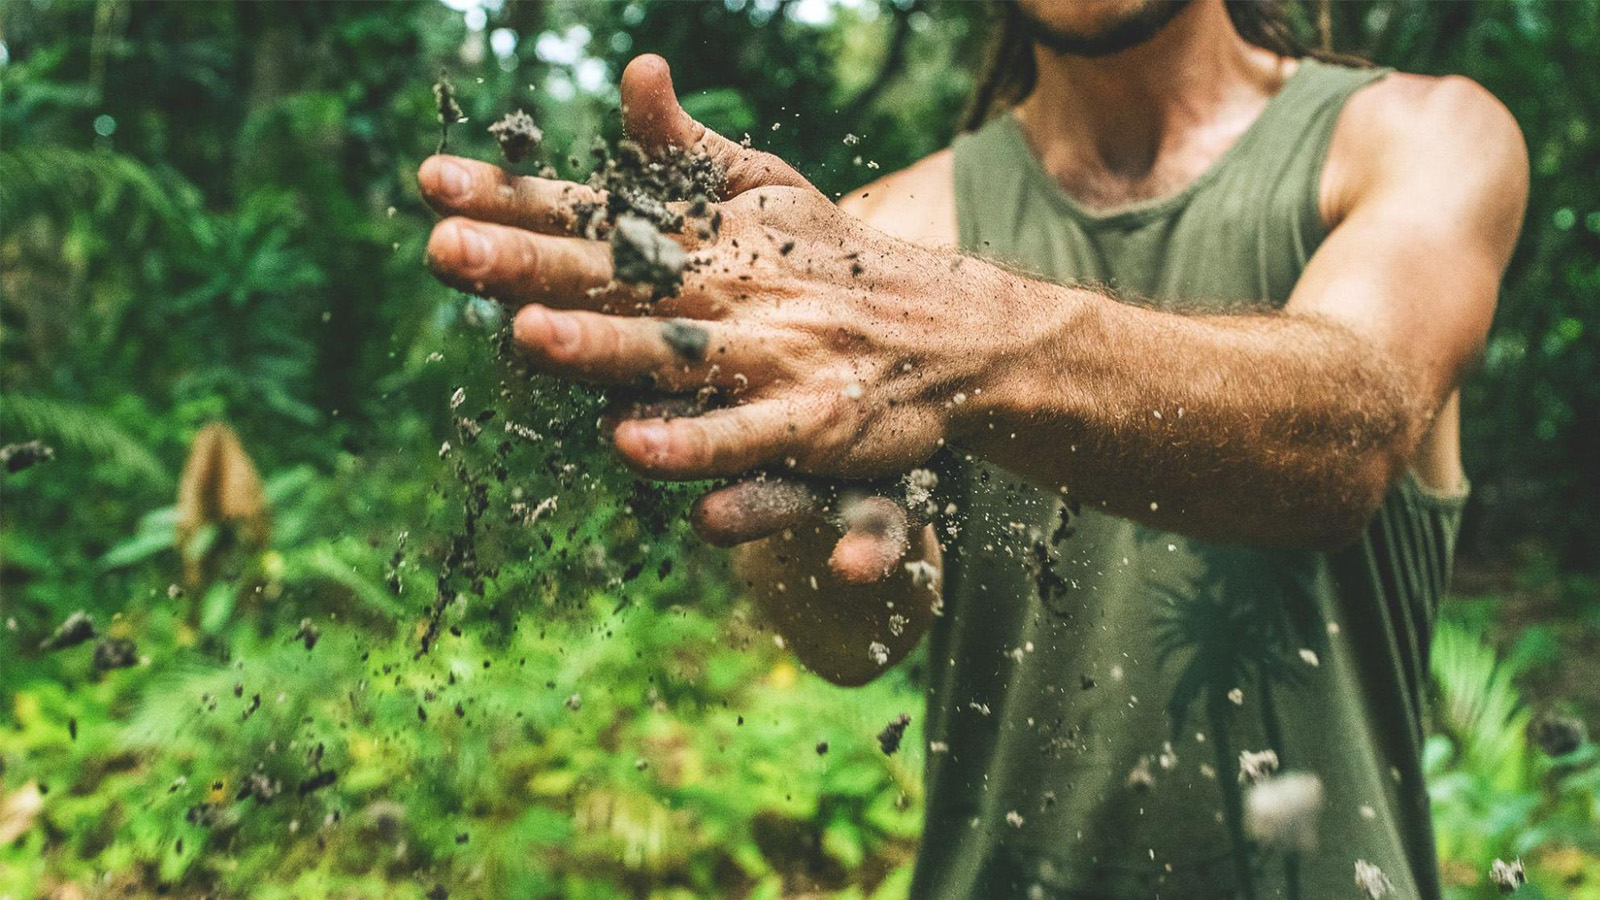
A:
(1136, 28)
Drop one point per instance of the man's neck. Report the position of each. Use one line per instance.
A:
(1157, 113)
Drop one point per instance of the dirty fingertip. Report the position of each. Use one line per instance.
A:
(864, 558)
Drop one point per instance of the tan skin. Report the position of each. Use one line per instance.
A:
(1296, 422)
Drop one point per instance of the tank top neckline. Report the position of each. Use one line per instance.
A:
(1141, 211)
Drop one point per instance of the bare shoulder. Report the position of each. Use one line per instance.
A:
(1446, 139)
(916, 204)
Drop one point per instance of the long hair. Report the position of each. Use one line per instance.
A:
(1009, 73)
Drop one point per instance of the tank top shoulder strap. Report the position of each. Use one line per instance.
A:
(1293, 135)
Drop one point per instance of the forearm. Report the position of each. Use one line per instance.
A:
(831, 624)
(1270, 428)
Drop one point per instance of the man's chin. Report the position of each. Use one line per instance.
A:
(1109, 38)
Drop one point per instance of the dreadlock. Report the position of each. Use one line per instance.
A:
(1009, 73)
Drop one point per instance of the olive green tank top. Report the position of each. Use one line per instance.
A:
(1103, 694)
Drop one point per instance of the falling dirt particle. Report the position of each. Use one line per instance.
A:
(643, 256)
(115, 653)
(438, 893)
(1371, 880)
(462, 838)
(878, 653)
(822, 748)
(72, 727)
(74, 630)
(259, 786)
(308, 634)
(318, 781)
(444, 97)
(518, 136)
(687, 339)
(889, 738)
(575, 703)
(16, 457)
(923, 573)
(1282, 811)
(1253, 767)
(1139, 778)
(1558, 735)
(1507, 876)
(920, 485)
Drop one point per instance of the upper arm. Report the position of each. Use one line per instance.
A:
(915, 204)
(1426, 183)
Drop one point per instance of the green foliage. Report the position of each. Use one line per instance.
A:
(1495, 794)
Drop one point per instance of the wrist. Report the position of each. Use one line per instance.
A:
(1022, 371)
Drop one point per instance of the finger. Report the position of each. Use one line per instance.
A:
(876, 538)
(652, 115)
(668, 354)
(465, 187)
(519, 267)
(723, 442)
(754, 509)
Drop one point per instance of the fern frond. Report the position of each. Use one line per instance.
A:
(60, 181)
(73, 428)
(1481, 705)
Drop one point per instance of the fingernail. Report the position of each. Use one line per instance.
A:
(563, 332)
(454, 182)
(474, 247)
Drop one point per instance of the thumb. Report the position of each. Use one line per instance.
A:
(652, 116)
(876, 537)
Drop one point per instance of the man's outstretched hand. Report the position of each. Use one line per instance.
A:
(833, 350)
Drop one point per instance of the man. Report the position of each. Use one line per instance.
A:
(1202, 466)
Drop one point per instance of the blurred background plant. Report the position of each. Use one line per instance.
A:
(207, 214)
